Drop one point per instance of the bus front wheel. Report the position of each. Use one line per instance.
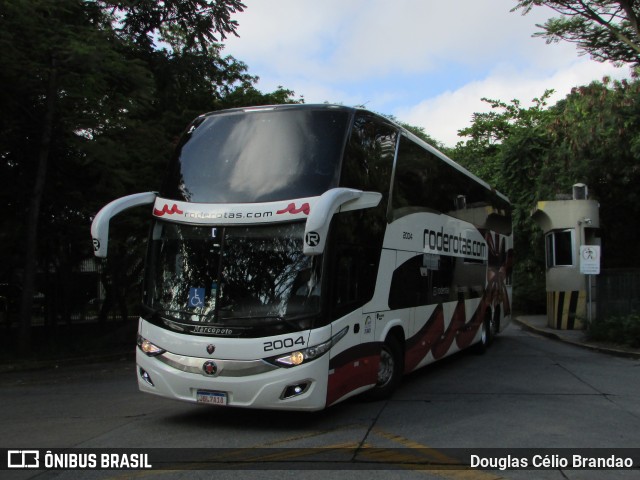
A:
(389, 371)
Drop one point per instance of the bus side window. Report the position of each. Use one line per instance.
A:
(409, 285)
(423, 182)
(415, 178)
(354, 266)
(368, 159)
(347, 279)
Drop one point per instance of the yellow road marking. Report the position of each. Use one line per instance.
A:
(457, 471)
(412, 456)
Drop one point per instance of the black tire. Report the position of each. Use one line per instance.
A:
(485, 336)
(495, 324)
(390, 370)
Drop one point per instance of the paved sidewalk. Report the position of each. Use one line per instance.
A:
(538, 324)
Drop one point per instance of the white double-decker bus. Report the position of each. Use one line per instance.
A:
(303, 254)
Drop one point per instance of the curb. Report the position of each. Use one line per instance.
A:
(619, 352)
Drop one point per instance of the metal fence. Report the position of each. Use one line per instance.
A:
(618, 292)
(80, 295)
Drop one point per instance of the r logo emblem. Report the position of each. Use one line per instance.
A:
(312, 239)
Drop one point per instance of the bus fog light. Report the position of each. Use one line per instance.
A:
(146, 377)
(295, 390)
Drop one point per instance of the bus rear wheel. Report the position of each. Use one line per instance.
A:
(485, 335)
(389, 371)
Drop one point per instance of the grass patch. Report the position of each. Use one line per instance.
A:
(622, 330)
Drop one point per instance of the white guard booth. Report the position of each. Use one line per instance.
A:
(568, 224)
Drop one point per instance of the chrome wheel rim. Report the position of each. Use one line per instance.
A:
(385, 370)
(483, 333)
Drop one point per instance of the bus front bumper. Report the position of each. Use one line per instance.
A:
(236, 384)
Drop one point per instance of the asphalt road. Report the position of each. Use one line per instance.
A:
(526, 392)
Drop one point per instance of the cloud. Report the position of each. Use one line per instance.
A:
(427, 62)
(336, 41)
(291, 37)
(443, 115)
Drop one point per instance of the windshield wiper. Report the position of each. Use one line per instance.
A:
(293, 325)
(168, 313)
(244, 320)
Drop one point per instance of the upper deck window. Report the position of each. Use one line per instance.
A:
(259, 156)
(425, 181)
(369, 155)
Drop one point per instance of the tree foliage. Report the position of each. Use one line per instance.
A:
(199, 23)
(95, 94)
(488, 130)
(607, 30)
(589, 137)
(596, 140)
(536, 153)
(504, 147)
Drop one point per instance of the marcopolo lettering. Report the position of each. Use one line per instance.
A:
(211, 330)
(453, 244)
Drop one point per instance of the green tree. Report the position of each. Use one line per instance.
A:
(504, 147)
(197, 23)
(65, 82)
(91, 111)
(591, 137)
(596, 140)
(488, 130)
(517, 169)
(607, 30)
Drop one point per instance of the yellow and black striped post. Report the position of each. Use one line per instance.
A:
(567, 310)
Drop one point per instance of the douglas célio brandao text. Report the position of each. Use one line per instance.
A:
(574, 461)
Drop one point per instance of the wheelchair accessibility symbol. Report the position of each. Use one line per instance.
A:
(196, 297)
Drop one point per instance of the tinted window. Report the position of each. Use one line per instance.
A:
(428, 279)
(259, 156)
(369, 155)
(355, 245)
(409, 285)
(423, 181)
(356, 237)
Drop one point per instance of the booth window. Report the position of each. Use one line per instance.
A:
(560, 246)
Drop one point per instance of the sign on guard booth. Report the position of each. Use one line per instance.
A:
(590, 259)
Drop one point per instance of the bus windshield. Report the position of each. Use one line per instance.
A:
(240, 276)
(258, 156)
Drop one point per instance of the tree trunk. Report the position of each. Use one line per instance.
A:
(33, 215)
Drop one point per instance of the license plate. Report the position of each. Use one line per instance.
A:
(211, 398)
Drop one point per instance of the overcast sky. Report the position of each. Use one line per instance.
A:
(426, 62)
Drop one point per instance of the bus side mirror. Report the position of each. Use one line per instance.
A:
(100, 224)
(330, 202)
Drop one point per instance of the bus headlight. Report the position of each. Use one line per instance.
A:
(149, 348)
(308, 354)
